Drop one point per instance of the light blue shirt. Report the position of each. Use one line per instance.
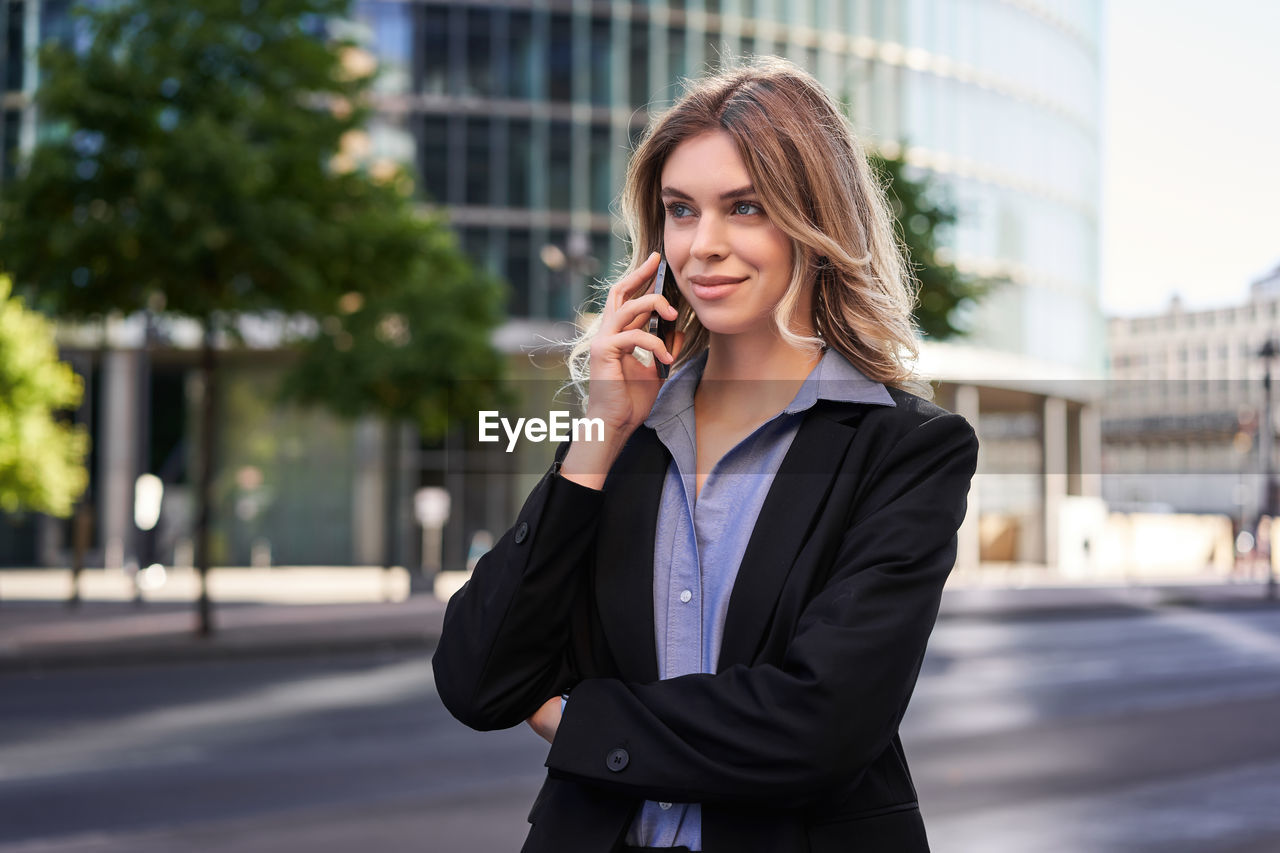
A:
(701, 538)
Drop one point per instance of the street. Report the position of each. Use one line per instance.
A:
(1090, 733)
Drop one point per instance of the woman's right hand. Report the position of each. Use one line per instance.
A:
(622, 389)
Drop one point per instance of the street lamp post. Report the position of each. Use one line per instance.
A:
(572, 262)
(1266, 433)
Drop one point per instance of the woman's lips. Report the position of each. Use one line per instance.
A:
(712, 287)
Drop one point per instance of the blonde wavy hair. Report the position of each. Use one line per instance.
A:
(816, 185)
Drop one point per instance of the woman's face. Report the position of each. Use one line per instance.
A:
(731, 262)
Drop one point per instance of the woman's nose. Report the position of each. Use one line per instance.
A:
(710, 240)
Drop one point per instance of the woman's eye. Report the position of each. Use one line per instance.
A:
(747, 208)
(677, 210)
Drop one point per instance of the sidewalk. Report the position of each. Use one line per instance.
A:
(1094, 600)
(46, 634)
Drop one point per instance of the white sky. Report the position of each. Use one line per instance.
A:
(1191, 151)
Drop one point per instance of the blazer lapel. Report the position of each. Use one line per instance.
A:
(624, 555)
(797, 493)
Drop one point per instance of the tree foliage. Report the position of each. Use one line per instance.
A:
(413, 354)
(945, 292)
(41, 457)
(210, 158)
(188, 151)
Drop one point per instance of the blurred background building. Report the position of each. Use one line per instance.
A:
(1182, 420)
(519, 118)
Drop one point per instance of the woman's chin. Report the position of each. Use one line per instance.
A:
(722, 325)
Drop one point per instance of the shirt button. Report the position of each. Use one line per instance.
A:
(521, 532)
(664, 806)
(685, 596)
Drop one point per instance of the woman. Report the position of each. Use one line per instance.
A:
(735, 586)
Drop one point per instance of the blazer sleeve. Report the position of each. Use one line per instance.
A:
(503, 645)
(783, 735)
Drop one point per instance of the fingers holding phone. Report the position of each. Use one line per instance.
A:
(622, 386)
(662, 326)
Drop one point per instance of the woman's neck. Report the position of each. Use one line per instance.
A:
(752, 377)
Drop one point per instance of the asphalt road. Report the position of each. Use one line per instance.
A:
(1158, 732)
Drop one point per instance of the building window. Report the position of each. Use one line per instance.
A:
(519, 253)
(559, 282)
(435, 158)
(520, 155)
(435, 50)
(601, 62)
(639, 63)
(600, 250)
(520, 81)
(559, 174)
(676, 49)
(479, 165)
(560, 62)
(56, 23)
(14, 65)
(601, 185)
(479, 80)
(475, 244)
(823, 14)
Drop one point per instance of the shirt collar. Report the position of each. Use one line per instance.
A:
(832, 378)
(835, 378)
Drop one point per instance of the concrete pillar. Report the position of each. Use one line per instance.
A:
(49, 545)
(969, 551)
(31, 37)
(457, 477)
(1054, 436)
(118, 456)
(407, 532)
(369, 493)
(1090, 451)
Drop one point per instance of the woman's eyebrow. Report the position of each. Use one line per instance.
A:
(741, 191)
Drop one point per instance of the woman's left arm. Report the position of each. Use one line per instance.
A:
(782, 735)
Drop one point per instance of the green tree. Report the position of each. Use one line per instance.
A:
(945, 292)
(204, 156)
(41, 457)
(412, 355)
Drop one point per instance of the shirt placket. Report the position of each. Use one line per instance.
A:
(684, 604)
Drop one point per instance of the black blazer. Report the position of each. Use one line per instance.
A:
(792, 745)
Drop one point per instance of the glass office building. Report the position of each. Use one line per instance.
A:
(519, 117)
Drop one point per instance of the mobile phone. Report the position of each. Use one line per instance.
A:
(660, 326)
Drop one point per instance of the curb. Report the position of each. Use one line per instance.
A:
(191, 650)
(1093, 602)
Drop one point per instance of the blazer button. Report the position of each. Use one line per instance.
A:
(522, 532)
(617, 760)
